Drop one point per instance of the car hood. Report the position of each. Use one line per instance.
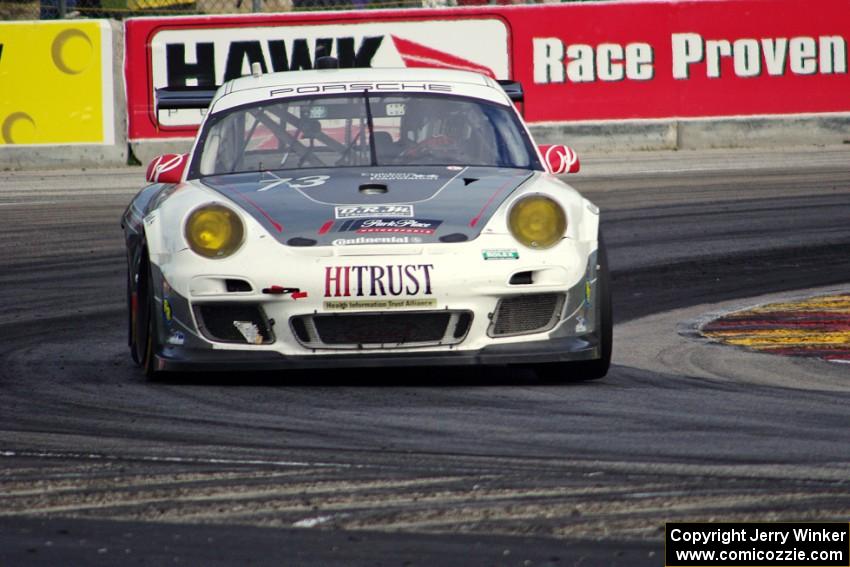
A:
(320, 207)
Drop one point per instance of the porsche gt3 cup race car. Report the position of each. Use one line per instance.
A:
(364, 217)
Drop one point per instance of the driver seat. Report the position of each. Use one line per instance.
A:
(385, 148)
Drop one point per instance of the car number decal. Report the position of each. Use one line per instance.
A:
(305, 182)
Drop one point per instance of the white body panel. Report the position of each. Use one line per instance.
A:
(458, 275)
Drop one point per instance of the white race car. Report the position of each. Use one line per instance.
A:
(364, 217)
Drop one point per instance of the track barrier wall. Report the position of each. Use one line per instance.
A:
(597, 75)
(62, 97)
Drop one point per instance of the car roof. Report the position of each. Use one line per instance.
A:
(266, 86)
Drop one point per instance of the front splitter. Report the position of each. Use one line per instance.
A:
(567, 349)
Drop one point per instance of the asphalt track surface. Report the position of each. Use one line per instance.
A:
(425, 467)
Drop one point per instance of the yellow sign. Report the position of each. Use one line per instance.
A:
(56, 83)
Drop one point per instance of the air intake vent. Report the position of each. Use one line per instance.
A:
(522, 278)
(526, 314)
(233, 323)
(382, 330)
(235, 286)
(463, 322)
(454, 237)
(298, 241)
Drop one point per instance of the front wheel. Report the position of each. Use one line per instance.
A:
(144, 342)
(596, 368)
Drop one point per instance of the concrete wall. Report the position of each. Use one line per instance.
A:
(749, 132)
(759, 132)
(81, 155)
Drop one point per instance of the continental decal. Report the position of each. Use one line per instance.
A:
(818, 327)
(56, 83)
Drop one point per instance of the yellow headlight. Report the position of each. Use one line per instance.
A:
(214, 231)
(537, 221)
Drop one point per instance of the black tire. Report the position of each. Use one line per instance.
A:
(597, 368)
(145, 343)
(131, 322)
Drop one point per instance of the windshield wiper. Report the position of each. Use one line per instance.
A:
(372, 151)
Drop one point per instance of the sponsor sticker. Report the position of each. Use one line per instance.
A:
(408, 226)
(400, 176)
(378, 281)
(370, 211)
(318, 112)
(395, 109)
(425, 303)
(500, 254)
(377, 240)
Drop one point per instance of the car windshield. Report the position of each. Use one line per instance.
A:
(366, 129)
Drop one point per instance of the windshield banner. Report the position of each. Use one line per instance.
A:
(577, 62)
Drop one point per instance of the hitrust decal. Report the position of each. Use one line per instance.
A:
(378, 281)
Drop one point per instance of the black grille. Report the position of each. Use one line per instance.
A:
(221, 322)
(462, 326)
(300, 329)
(524, 314)
(382, 330)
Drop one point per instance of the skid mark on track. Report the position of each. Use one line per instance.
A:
(567, 502)
(171, 459)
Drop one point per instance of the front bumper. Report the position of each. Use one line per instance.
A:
(574, 336)
(180, 359)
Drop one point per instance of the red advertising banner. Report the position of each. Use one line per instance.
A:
(577, 62)
(684, 59)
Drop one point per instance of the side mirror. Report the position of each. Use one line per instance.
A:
(167, 168)
(560, 159)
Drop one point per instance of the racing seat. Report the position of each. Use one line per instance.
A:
(385, 148)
